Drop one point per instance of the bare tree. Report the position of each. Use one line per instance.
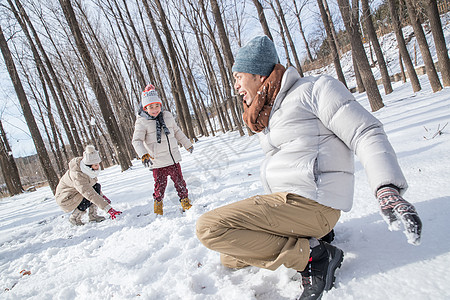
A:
(439, 40)
(350, 17)
(297, 12)
(404, 54)
(96, 85)
(32, 126)
(433, 77)
(288, 35)
(223, 70)
(283, 38)
(223, 37)
(332, 43)
(333, 29)
(176, 69)
(376, 45)
(8, 165)
(59, 99)
(262, 18)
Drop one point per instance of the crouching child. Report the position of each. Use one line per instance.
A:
(78, 189)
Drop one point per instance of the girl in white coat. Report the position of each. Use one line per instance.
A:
(155, 139)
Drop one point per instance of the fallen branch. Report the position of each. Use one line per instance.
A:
(438, 132)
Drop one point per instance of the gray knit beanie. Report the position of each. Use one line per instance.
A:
(91, 156)
(258, 56)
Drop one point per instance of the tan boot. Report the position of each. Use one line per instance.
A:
(93, 217)
(185, 203)
(75, 217)
(158, 207)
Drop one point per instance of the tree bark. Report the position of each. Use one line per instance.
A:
(97, 87)
(262, 18)
(288, 35)
(223, 71)
(176, 69)
(350, 17)
(404, 54)
(331, 43)
(283, 39)
(226, 48)
(59, 99)
(32, 126)
(8, 165)
(300, 25)
(333, 29)
(430, 69)
(376, 45)
(439, 40)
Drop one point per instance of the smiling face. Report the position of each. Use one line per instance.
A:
(95, 167)
(153, 109)
(247, 85)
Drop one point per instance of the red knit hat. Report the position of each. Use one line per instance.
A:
(150, 96)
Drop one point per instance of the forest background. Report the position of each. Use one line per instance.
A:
(78, 67)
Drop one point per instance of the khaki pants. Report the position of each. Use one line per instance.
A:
(266, 231)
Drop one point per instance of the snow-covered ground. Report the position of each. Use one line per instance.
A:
(141, 256)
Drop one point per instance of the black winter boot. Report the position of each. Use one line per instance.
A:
(318, 275)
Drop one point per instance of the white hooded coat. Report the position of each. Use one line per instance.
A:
(315, 127)
(165, 153)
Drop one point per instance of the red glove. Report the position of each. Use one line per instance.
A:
(113, 213)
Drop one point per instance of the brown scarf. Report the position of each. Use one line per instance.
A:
(256, 115)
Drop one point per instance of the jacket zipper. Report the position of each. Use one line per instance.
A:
(170, 150)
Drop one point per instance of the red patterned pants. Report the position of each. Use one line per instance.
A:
(160, 176)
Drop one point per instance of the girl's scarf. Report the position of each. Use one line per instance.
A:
(89, 171)
(160, 124)
(256, 115)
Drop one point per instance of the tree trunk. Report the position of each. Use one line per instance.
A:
(404, 54)
(350, 18)
(8, 165)
(68, 123)
(223, 71)
(376, 46)
(28, 114)
(423, 45)
(288, 35)
(283, 39)
(331, 43)
(96, 84)
(226, 48)
(129, 44)
(169, 67)
(439, 40)
(333, 29)
(262, 18)
(173, 57)
(302, 32)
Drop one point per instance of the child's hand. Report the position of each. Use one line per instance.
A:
(113, 213)
(191, 149)
(147, 160)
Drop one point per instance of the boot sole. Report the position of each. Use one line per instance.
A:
(335, 263)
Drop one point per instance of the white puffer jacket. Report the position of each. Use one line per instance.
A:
(165, 153)
(314, 128)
